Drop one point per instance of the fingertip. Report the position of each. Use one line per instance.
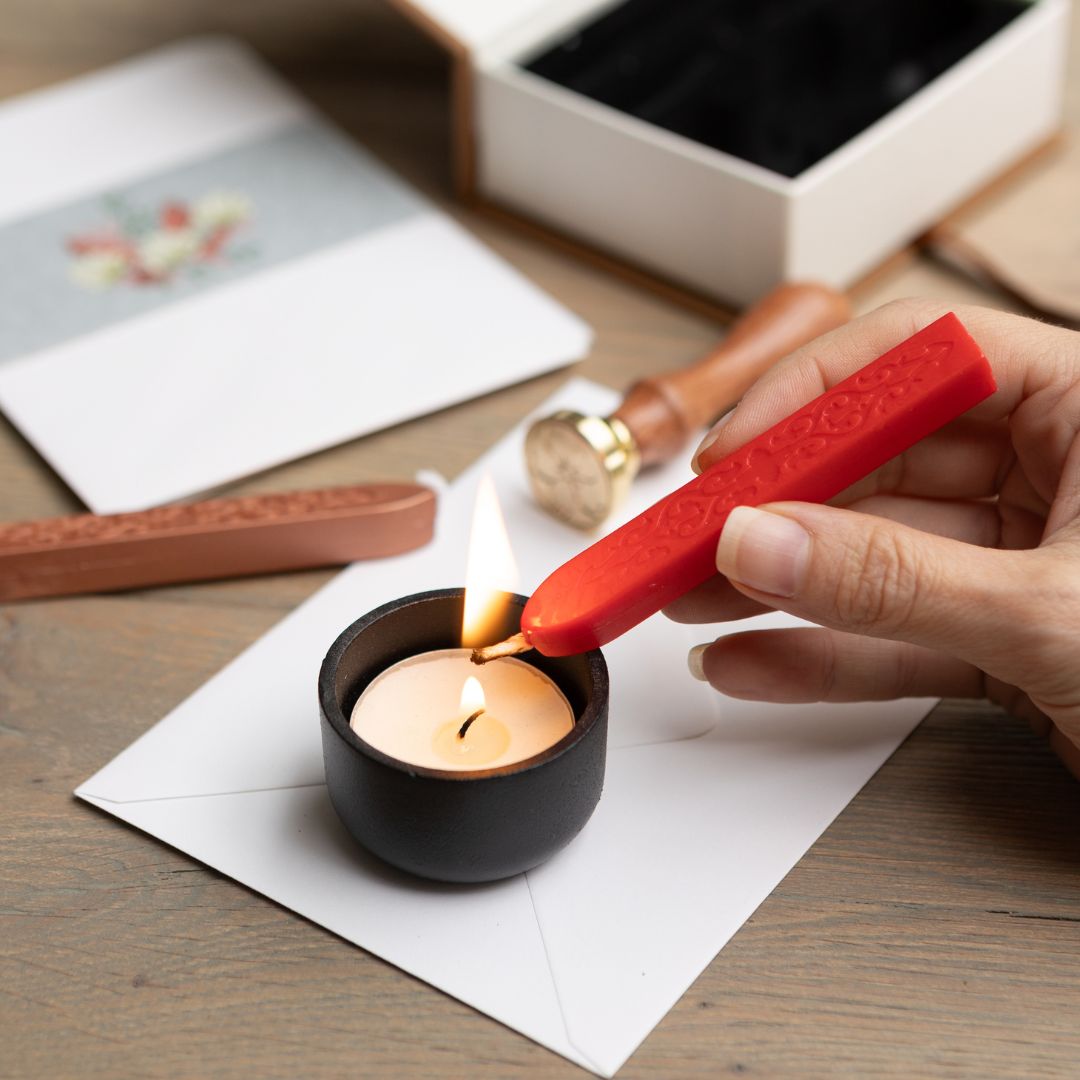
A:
(702, 459)
(695, 462)
(695, 661)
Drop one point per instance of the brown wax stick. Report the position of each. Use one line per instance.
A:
(258, 534)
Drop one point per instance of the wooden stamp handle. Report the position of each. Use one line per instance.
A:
(664, 412)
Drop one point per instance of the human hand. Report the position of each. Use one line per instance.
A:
(953, 570)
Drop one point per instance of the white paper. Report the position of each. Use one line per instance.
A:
(708, 802)
(234, 370)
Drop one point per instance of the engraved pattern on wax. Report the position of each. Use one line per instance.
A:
(85, 528)
(684, 516)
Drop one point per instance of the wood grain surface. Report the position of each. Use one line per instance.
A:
(933, 931)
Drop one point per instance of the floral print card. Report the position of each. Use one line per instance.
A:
(143, 247)
(202, 278)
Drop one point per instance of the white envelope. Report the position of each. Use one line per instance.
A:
(708, 802)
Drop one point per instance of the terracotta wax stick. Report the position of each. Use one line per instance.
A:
(259, 534)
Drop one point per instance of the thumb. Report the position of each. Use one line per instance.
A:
(869, 575)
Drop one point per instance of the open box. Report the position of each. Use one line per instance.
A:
(705, 219)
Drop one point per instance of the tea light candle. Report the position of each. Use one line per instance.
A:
(411, 790)
(438, 710)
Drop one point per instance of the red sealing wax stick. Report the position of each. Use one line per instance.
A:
(839, 437)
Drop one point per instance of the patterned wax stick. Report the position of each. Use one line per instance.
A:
(812, 455)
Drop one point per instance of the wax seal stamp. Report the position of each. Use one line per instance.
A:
(581, 467)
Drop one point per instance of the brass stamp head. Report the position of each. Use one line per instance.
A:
(580, 467)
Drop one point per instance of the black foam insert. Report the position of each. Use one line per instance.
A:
(780, 83)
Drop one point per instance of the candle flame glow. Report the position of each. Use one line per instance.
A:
(490, 570)
(472, 696)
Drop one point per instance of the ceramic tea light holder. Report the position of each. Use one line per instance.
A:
(457, 823)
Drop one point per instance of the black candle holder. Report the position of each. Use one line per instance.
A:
(472, 826)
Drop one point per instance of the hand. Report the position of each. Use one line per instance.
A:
(953, 570)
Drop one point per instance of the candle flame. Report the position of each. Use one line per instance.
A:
(472, 696)
(490, 570)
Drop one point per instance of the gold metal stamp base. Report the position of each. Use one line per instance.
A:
(580, 467)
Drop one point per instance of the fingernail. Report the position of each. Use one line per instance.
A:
(763, 550)
(696, 661)
(710, 438)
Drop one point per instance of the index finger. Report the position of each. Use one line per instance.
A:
(1026, 356)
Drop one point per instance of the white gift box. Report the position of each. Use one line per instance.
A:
(705, 220)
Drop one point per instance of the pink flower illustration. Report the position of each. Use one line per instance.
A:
(142, 248)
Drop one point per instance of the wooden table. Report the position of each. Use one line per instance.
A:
(934, 930)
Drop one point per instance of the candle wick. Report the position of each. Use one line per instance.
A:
(512, 646)
(465, 727)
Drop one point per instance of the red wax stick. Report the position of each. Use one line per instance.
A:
(812, 455)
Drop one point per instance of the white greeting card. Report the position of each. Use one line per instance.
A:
(201, 278)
